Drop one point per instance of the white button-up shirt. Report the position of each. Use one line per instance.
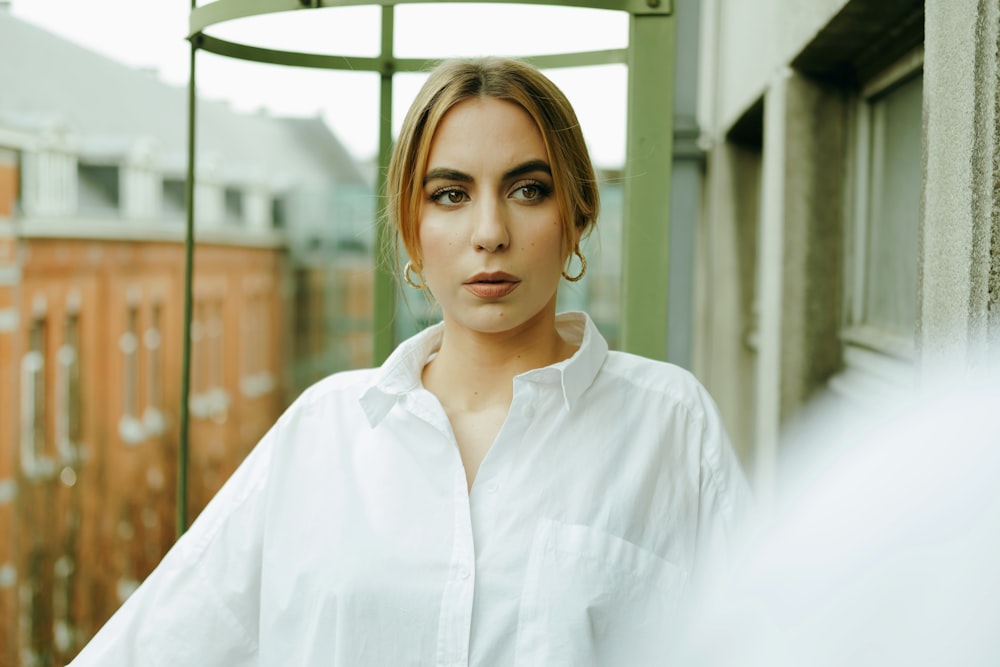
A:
(349, 537)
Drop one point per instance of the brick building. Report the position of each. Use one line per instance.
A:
(91, 330)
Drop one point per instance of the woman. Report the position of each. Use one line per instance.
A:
(503, 490)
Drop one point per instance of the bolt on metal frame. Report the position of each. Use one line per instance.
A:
(649, 150)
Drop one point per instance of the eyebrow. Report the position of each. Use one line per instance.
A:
(527, 168)
(446, 174)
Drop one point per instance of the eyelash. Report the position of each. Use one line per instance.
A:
(436, 196)
(541, 189)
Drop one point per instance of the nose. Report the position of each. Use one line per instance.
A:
(490, 232)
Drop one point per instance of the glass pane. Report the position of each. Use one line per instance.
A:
(894, 214)
(98, 189)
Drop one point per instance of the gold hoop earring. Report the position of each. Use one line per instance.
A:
(583, 266)
(409, 280)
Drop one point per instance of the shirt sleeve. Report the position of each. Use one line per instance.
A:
(200, 606)
(725, 503)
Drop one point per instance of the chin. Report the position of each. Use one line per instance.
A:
(500, 318)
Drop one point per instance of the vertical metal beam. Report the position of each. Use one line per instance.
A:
(649, 154)
(385, 283)
(182, 445)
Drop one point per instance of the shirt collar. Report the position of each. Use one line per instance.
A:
(400, 374)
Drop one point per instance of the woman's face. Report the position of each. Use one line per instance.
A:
(490, 232)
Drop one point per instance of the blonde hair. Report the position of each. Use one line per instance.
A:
(453, 81)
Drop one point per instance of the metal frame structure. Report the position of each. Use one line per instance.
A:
(649, 150)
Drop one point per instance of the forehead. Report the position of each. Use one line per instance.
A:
(484, 131)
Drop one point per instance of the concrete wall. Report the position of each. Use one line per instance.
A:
(960, 260)
(725, 286)
(750, 41)
(781, 88)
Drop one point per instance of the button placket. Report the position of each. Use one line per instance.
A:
(455, 622)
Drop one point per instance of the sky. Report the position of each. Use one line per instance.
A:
(150, 34)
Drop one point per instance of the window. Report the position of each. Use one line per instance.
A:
(234, 205)
(199, 384)
(279, 212)
(883, 234)
(98, 189)
(152, 417)
(889, 291)
(218, 399)
(34, 462)
(208, 399)
(174, 200)
(70, 411)
(129, 427)
(256, 340)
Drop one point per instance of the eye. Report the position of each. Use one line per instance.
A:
(530, 192)
(449, 196)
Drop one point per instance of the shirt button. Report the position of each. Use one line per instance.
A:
(463, 573)
(492, 487)
(529, 411)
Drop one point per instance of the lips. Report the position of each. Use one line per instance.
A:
(492, 285)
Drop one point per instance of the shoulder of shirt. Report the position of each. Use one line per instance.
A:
(672, 382)
(682, 390)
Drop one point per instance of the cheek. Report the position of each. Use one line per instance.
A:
(436, 243)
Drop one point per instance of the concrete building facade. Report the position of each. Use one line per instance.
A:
(850, 240)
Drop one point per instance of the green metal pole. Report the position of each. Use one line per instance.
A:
(182, 446)
(649, 154)
(385, 283)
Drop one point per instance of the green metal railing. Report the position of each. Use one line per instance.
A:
(650, 61)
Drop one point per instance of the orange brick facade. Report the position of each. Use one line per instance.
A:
(96, 478)
(9, 346)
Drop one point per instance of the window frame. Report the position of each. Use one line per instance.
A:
(875, 360)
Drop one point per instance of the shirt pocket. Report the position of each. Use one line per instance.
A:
(591, 598)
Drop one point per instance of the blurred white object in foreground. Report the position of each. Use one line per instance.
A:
(887, 554)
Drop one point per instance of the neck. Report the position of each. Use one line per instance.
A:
(474, 370)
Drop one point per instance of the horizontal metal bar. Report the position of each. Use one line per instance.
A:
(258, 54)
(579, 59)
(221, 11)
